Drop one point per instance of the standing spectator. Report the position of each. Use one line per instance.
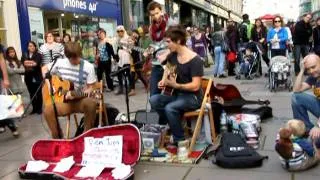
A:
(218, 38)
(245, 30)
(31, 61)
(4, 79)
(50, 50)
(259, 35)
(104, 53)
(66, 38)
(277, 37)
(137, 66)
(301, 35)
(208, 35)
(199, 45)
(233, 39)
(145, 42)
(15, 70)
(316, 37)
(189, 41)
(58, 39)
(124, 57)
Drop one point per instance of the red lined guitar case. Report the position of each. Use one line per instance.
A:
(52, 151)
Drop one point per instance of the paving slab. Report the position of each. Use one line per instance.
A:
(228, 174)
(160, 172)
(8, 167)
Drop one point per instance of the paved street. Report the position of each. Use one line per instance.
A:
(14, 152)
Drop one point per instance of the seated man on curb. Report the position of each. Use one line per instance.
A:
(187, 93)
(303, 102)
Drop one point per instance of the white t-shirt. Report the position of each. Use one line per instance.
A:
(67, 71)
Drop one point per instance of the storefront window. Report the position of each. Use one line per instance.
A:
(173, 8)
(137, 14)
(3, 30)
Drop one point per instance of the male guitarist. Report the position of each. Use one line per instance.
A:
(81, 73)
(187, 94)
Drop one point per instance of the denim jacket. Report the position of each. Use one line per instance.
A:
(282, 35)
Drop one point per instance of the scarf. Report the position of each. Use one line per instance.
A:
(159, 27)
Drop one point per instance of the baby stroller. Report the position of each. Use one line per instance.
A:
(280, 73)
(254, 63)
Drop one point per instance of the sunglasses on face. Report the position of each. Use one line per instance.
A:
(277, 21)
(120, 31)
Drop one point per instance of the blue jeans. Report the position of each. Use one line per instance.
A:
(244, 68)
(302, 103)
(219, 58)
(156, 76)
(171, 108)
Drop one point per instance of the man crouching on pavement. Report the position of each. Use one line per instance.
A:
(303, 102)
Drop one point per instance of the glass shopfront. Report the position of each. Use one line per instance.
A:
(79, 18)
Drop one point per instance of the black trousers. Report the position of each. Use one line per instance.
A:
(123, 75)
(37, 101)
(9, 123)
(105, 67)
(133, 79)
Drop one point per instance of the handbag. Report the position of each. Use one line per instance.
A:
(11, 106)
(224, 44)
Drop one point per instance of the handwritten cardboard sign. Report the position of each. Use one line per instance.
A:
(106, 151)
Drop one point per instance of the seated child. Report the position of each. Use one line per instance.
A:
(296, 151)
(247, 61)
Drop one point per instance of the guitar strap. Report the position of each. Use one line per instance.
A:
(81, 83)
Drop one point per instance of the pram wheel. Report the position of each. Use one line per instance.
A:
(249, 77)
(238, 77)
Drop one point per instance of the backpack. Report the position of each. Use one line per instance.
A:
(112, 113)
(235, 153)
(243, 32)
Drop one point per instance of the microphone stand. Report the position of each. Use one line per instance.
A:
(124, 72)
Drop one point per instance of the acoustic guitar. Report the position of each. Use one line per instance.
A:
(233, 101)
(61, 88)
(169, 73)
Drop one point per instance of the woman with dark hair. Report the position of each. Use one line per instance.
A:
(66, 38)
(199, 44)
(15, 70)
(259, 35)
(31, 61)
(233, 39)
(136, 65)
(277, 37)
(50, 50)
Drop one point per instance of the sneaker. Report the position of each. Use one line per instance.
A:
(15, 133)
(2, 129)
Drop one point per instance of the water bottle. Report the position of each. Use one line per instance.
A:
(223, 122)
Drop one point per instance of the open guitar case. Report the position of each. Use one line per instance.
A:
(52, 151)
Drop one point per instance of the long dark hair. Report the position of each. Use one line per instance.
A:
(263, 28)
(34, 44)
(12, 59)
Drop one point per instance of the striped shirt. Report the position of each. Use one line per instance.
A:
(67, 71)
(47, 56)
